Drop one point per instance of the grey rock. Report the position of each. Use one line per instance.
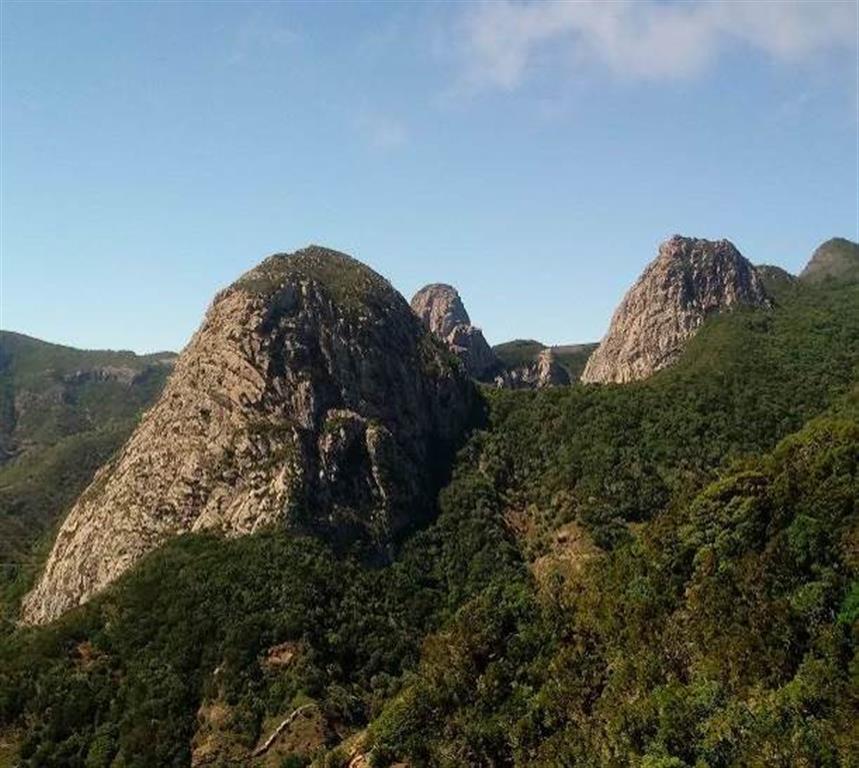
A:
(688, 281)
(311, 397)
(440, 309)
(545, 371)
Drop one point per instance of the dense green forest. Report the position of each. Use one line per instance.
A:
(659, 574)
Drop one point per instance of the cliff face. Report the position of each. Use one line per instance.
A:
(440, 309)
(310, 397)
(688, 281)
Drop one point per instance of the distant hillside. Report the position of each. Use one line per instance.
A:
(63, 412)
(776, 281)
(522, 352)
(836, 258)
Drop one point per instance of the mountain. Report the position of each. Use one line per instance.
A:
(520, 364)
(311, 397)
(837, 258)
(442, 312)
(688, 281)
(562, 364)
(63, 412)
(543, 371)
(48, 391)
(660, 574)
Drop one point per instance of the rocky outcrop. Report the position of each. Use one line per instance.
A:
(545, 371)
(836, 259)
(310, 397)
(689, 280)
(440, 309)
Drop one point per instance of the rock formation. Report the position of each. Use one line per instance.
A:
(310, 397)
(836, 258)
(689, 280)
(440, 309)
(545, 371)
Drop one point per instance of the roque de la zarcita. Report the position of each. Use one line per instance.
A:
(310, 397)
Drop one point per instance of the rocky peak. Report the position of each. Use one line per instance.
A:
(837, 258)
(689, 280)
(311, 397)
(440, 309)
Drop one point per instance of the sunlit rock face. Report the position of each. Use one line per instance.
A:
(688, 281)
(440, 309)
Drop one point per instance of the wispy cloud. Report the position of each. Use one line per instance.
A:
(502, 41)
(381, 131)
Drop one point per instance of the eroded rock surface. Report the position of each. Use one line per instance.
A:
(545, 371)
(440, 309)
(688, 281)
(311, 396)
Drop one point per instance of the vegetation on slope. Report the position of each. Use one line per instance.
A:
(718, 627)
(724, 634)
(349, 283)
(63, 412)
(524, 352)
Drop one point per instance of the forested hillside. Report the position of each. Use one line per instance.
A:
(63, 412)
(657, 574)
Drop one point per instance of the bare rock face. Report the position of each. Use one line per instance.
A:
(440, 309)
(545, 371)
(310, 397)
(689, 280)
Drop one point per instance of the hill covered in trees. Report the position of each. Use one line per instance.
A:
(657, 574)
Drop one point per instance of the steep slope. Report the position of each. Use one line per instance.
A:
(441, 310)
(837, 258)
(63, 411)
(688, 281)
(310, 397)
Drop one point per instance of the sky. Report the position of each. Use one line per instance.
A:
(531, 154)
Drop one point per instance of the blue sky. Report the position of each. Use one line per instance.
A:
(534, 155)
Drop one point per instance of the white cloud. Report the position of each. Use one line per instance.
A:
(503, 40)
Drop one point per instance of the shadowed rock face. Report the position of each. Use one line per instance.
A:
(689, 280)
(311, 397)
(441, 311)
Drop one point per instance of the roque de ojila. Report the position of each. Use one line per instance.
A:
(688, 281)
(310, 396)
(504, 475)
